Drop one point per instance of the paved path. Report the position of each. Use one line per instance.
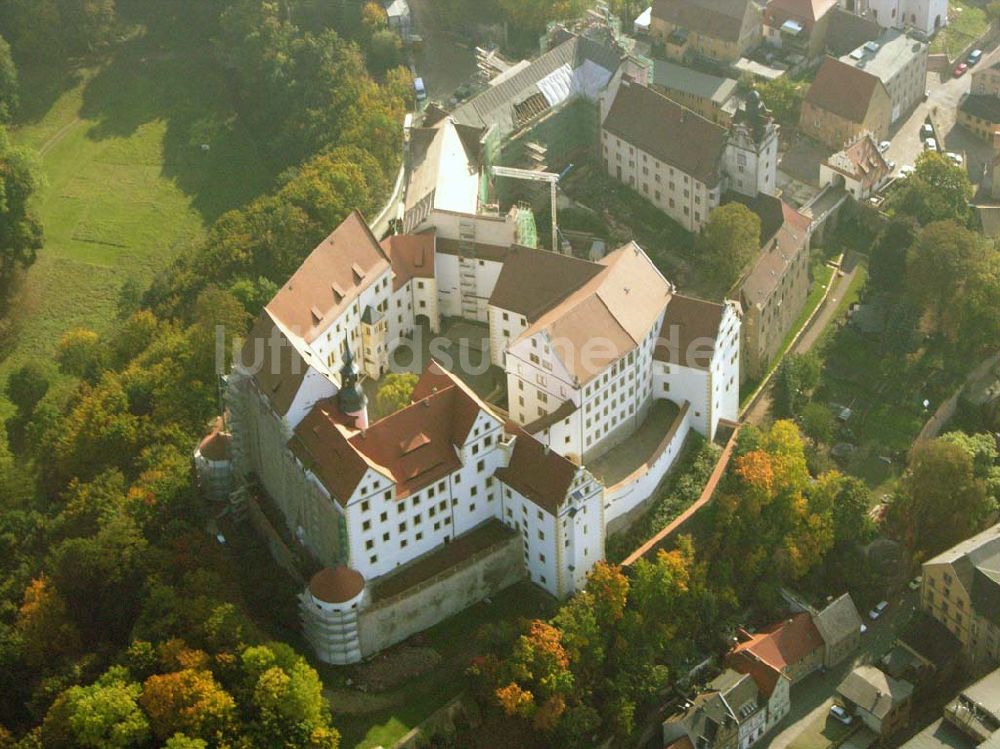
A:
(762, 408)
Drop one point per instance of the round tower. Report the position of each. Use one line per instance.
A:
(329, 609)
(351, 398)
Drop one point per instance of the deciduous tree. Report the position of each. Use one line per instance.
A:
(20, 229)
(9, 92)
(940, 263)
(729, 241)
(936, 191)
(394, 393)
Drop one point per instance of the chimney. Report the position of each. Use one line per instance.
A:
(546, 448)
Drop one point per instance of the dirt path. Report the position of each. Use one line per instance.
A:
(58, 136)
(762, 408)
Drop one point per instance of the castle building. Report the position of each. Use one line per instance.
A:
(451, 490)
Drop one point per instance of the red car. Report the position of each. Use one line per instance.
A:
(960, 70)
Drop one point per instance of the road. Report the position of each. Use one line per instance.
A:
(762, 408)
(942, 106)
(811, 698)
(443, 63)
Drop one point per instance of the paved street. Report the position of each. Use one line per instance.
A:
(941, 105)
(443, 63)
(811, 698)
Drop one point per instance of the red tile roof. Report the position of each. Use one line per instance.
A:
(336, 584)
(411, 255)
(806, 12)
(784, 643)
(764, 675)
(341, 267)
(414, 447)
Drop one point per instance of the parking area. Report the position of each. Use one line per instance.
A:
(945, 94)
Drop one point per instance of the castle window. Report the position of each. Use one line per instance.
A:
(365, 526)
(364, 506)
(385, 536)
(383, 517)
(369, 544)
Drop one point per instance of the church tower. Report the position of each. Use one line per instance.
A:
(351, 398)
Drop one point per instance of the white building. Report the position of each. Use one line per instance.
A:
(586, 348)
(926, 16)
(860, 168)
(680, 161)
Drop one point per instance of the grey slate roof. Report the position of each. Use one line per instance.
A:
(873, 691)
(495, 105)
(839, 620)
(673, 76)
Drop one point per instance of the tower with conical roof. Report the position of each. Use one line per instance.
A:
(351, 398)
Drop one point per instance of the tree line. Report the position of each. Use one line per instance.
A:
(122, 623)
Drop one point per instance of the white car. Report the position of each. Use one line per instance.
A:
(841, 714)
(906, 170)
(915, 582)
(891, 164)
(864, 628)
(956, 158)
(930, 144)
(884, 146)
(876, 612)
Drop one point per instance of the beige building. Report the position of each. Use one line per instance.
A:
(774, 291)
(980, 113)
(986, 75)
(879, 701)
(711, 96)
(961, 589)
(720, 30)
(842, 102)
(898, 60)
(798, 25)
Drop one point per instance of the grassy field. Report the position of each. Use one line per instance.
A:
(966, 23)
(128, 183)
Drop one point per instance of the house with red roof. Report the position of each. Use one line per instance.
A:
(798, 25)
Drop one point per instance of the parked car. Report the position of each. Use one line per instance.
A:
(419, 89)
(930, 144)
(955, 158)
(906, 170)
(891, 164)
(915, 582)
(973, 57)
(884, 146)
(926, 130)
(960, 70)
(841, 714)
(876, 612)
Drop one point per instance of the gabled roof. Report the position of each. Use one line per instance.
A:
(860, 160)
(278, 361)
(670, 75)
(444, 163)
(496, 105)
(784, 643)
(537, 472)
(778, 251)
(689, 333)
(765, 676)
(720, 19)
(533, 281)
(668, 132)
(839, 620)
(847, 31)
(414, 447)
(874, 691)
(329, 279)
(844, 90)
(807, 12)
(618, 306)
(411, 255)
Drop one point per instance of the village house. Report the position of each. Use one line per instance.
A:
(719, 30)
(980, 113)
(961, 589)
(713, 97)
(839, 624)
(842, 102)
(877, 700)
(798, 26)
(792, 647)
(899, 60)
(731, 714)
(680, 161)
(860, 168)
(774, 290)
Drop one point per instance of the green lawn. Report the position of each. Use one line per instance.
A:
(128, 183)
(965, 23)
